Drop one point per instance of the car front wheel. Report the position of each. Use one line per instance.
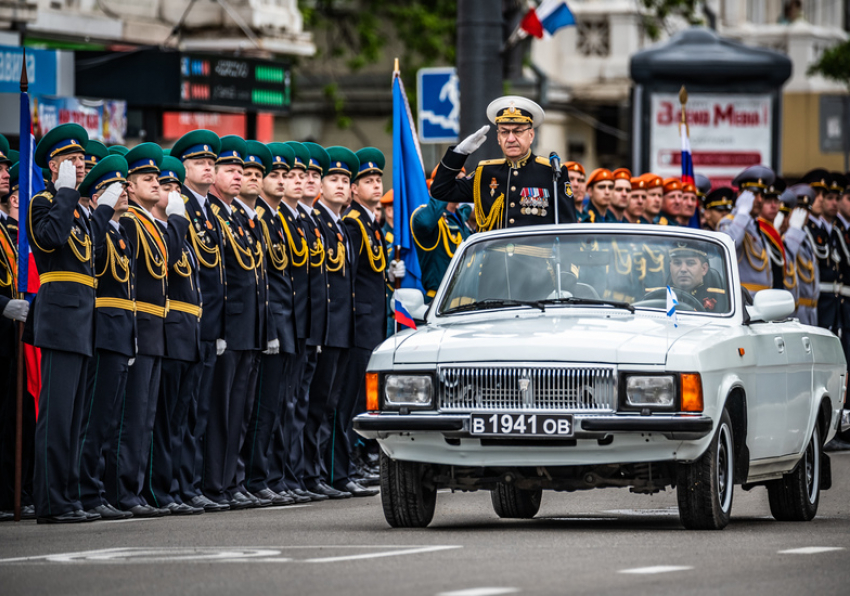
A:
(510, 502)
(796, 495)
(704, 487)
(407, 495)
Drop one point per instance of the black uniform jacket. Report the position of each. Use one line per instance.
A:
(318, 277)
(369, 252)
(281, 299)
(206, 238)
(254, 237)
(340, 329)
(299, 269)
(185, 304)
(115, 317)
(506, 193)
(8, 291)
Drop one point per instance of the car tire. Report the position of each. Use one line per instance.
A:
(795, 496)
(704, 488)
(408, 500)
(510, 502)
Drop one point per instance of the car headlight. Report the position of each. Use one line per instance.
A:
(408, 390)
(651, 391)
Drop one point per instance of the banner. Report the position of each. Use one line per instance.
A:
(105, 120)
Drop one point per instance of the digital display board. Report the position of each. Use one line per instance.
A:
(226, 81)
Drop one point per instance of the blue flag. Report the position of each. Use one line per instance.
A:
(31, 182)
(409, 188)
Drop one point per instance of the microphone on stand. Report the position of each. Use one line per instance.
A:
(555, 162)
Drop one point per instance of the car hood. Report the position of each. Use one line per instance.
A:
(635, 339)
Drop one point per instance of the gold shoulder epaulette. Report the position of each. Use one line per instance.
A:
(130, 214)
(44, 194)
(353, 214)
(216, 209)
(663, 221)
(543, 160)
(316, 212)
(185, 198)
(491, 162)
(730, 216)
(261, 211)
(716, 290)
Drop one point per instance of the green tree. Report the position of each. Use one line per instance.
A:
(834, 64)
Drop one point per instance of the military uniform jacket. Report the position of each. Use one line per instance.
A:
(185, 304)
(10, 224)
(369, 263)
(299, 268)
(154, 253)
(254, 234)
(592, 215)
(753, 259)
(800, 253)
(506, 194)
(115, 316)
(207, 240)
(318, 278)
(244, 304)
(340, 274)
(62, 243)
(437, 233)
(8, 291)
(281, 299)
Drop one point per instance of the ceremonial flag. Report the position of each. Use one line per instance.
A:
(672, 301)
(688, 171)
(402, 316)
(409, 188)
(547, 18)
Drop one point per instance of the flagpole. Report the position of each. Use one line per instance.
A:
(396, 282)
(19, 396)
(683, 100)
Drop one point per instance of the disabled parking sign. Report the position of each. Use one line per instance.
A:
(438, 103)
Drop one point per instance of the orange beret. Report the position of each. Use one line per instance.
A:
(653, 180)
(622, 174)
(574, 166)
(639, 183)
(672, 184)
(688, 187)
(387, 199)
(598, 175)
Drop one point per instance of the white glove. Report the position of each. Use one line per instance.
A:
(220, 347)
(175, 204)
(396, 270)
(777, 222)
(17, 310)
(274, 347)
(798, 218)
(473, 141)
(111, 194)
(67, 177)
(131, 362)
(744, 204)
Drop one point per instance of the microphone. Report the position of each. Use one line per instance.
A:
(555, 162)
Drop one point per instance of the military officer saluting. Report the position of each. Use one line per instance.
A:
(95, 153)
(517, 190)
(716, 205)
(799, 248)
(753, 259)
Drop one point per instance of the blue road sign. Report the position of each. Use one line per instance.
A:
(438, 103)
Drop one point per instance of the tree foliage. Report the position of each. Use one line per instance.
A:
(834, 64)
(659, 12)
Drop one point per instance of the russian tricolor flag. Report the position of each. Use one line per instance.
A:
(547, 18)
(687, 158)
(402, 316)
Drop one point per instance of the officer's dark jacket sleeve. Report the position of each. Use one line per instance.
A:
(175, 236)
(425, 221)
(446, 186)
(566, 204)
(52, 221)
(99, 225)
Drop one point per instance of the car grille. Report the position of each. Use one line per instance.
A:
(580, 388)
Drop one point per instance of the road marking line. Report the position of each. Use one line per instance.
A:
(392, 553)
(655, 569)
(810, 550)
(480, 592)
(280, 507)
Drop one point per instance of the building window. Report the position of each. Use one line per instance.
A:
(594, 37)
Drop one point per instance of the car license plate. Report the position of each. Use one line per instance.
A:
(539, 425)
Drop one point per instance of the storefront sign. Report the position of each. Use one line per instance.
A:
(41, 70)
(104, 120)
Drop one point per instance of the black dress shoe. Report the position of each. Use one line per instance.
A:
(109, 513)
(72, 517)
(7, 516)
(259, 501)
(359, 491)
(179, 509)
(296, 498)
(147, 511)
(273, 498)
(240, 501)
(208, 504)
(90, 515)
(323, 489)
(28, 512)
(310, 495)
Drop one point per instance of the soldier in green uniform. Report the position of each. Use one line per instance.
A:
(95, 152)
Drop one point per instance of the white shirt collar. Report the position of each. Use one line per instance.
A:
(369, 212)
(844, 220)
(329, 211)
(115, 225)
(159, 221)
(251, 213)
(291, 210)
(827, 226)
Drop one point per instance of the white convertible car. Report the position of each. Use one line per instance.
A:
(577, 357)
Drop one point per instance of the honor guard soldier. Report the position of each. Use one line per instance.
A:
(800, 248)
(578, 181)
(7, 221)
(637, 202)
(753, 260)
(155, 252)
(520, 189)
(827, 248)
(620, 194)
(64, 246)
(198, 150)
(691, 273)
(654, 199)
(114, 340)
(117, 150)
(837, 185)
(773, 239)
(9, 205)
(95, 152)
(600, 188)
(717, 204)
(671, 205)
(181, 365)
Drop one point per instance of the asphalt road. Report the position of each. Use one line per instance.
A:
(599, 542)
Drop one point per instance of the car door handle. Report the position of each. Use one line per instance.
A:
(807, 344)
(780, 344)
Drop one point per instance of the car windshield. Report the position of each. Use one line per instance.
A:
(601, 270)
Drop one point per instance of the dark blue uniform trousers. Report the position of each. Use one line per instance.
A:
(325, 391)
(105, 386)
(57, 432)
(289, 436)
(192, 454)
(353, 393)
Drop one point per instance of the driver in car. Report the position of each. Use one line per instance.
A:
(690, 273)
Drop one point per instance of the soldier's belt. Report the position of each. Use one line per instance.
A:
(191, 309)
(152, 309)
(835, 288)
(755, 287)
(70, 276)
(807, 302)
(121, 303)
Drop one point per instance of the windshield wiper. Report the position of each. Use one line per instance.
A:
(495, 303)
(596, 301)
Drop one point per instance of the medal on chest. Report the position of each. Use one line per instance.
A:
(493, 186)
(534, 201)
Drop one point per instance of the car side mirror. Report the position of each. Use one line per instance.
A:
(414, 302)
(771, 305)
